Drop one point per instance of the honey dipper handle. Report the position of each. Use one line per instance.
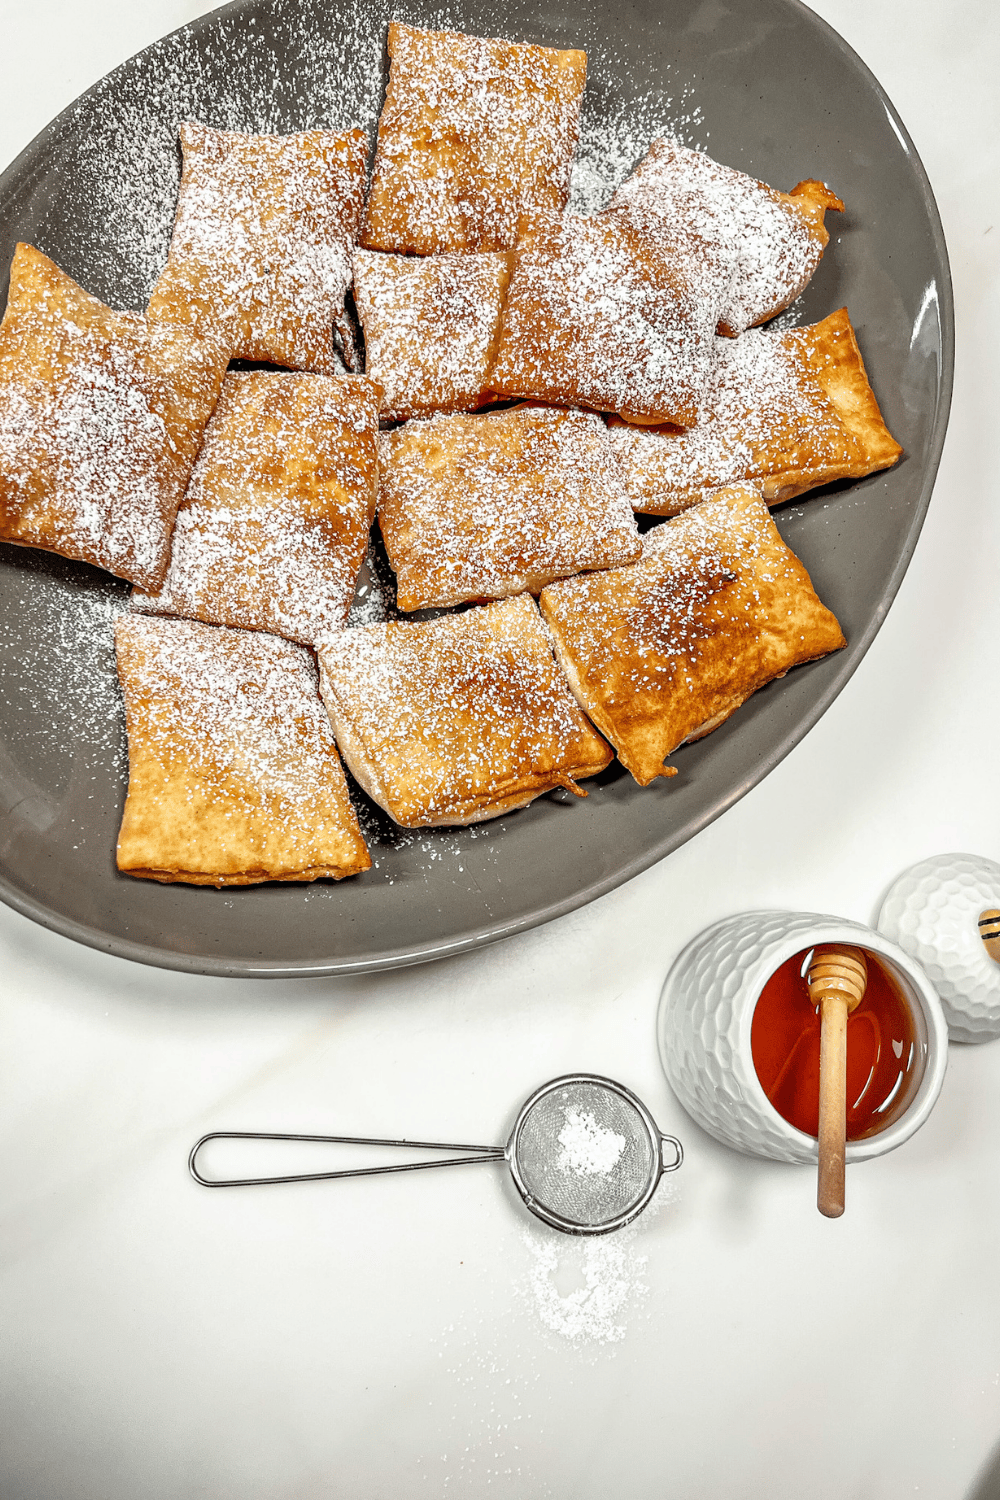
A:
(837, 979)
(832, 1105)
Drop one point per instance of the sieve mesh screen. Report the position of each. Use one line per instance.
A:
(584, 1153)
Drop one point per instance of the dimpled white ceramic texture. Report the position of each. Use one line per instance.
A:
(932, 911)
(706, 1011)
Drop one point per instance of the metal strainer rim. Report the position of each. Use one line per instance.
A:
(656, 1139)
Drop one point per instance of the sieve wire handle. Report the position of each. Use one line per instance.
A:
(477, 1153)
(671, 1140)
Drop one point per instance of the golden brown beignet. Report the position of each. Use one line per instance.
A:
(473, 133)
(456, 719)
(233, 773)
(430, 326)
(789, 411)
(478, 507)
(752, 248)
(101, 414)
(598, 315)
(662, 652)
(274, 526)
(261, 250)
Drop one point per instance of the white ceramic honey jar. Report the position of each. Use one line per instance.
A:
(706, 1014)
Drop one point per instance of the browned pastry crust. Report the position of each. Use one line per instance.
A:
(430, 326)
(831, 352)
(101, 414)
(789, 410)
(261, 250)
(233, 773)
(457, 719)
(473, 133)
(752, 249)
(479, 507)
(274, 526)
(662, 652)
(598, 315)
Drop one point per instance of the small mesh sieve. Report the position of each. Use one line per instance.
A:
(585, 1155)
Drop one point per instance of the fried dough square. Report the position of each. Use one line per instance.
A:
(261, 250)
(101, 415)
(663, 652)
(234, 777)
(789, 410)
(752, 248)
(479, 507)
(457, 719)
(473, 133)
(598, 315)
(274, 526)
(430, 327)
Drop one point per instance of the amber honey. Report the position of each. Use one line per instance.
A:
(884, 1051)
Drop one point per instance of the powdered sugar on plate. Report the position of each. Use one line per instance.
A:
(62, 695)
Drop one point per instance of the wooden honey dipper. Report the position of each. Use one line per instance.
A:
(989, 931)
(837, 981)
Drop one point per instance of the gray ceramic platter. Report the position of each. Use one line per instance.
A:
(765, 86)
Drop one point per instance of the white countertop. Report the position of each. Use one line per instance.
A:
(389, 1338)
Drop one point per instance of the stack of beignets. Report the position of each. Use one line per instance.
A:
(627, 336)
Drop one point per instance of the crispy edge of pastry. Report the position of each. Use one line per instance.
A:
(832, 357)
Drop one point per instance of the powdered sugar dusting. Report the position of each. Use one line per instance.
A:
(100, 418)
(754, 251)
(63, 694)
(598, 315)
(261, 250)
(614, 135)
(430, 327)
(474, 132)
(450, 720)
(584, 1291)
(274, 525)
(242, 704)
(481, 507)
(233, 772)
(762, 412)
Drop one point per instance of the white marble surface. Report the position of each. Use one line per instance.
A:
(385, 1339)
